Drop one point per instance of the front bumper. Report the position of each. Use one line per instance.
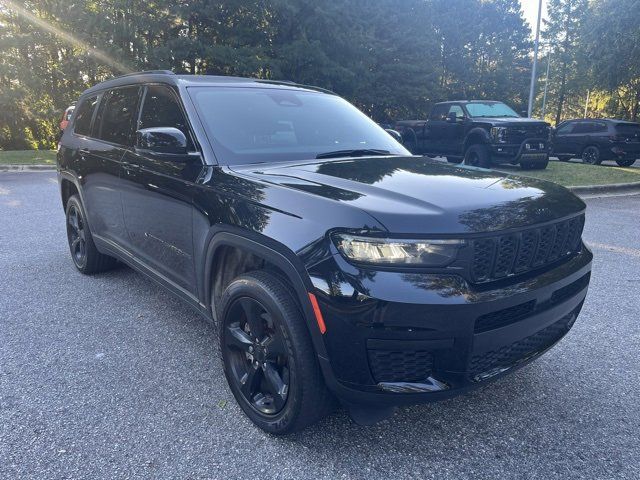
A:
(531, 149)
(396, 338)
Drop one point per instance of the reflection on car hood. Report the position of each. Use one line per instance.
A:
(419, 195)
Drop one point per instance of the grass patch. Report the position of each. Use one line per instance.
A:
(27, 157)
(577, 174)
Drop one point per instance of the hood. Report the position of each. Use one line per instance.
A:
(421, 196)
(513, 121)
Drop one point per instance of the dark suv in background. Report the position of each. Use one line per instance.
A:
(334, 263)
(595, 140)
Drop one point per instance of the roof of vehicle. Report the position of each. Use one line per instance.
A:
(168, 77)
(613, 120)
(469, 101)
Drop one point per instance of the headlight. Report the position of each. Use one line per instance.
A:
(391, 251)
(499, 134)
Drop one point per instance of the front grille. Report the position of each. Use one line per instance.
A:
(501, 256)
(504, 317)
(400, 366)
(520, 134)
(510, 315)
(490, 363)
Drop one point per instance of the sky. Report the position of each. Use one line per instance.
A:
(530, 8)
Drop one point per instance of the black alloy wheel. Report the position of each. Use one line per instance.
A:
(625, 162)
(268, 356)
(591, 155)
(77, 235)
(477, 156)
(84, 253)
(258, 358)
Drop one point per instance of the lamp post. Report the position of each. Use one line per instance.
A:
(535, 61)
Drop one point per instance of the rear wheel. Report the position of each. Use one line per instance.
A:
(625, 162)
(477, 156)
(268, 357)
(84, 253)
(591, 155)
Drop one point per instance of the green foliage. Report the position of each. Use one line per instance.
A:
(392, 58)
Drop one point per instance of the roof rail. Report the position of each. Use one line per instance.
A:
(301, 85)
(147, 72)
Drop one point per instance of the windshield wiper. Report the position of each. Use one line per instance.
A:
(363, 152)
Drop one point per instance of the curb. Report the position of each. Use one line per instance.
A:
(27, 168)
(605, 189)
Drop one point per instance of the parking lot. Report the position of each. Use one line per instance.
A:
(111, 377)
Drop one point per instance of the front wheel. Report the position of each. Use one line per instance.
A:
(477, 156)
(527, 165)
(268, 357)
(591, 155)
(625, 162)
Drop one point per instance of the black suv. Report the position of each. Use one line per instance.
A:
(480, 132)
(595, 140)
(334, 263)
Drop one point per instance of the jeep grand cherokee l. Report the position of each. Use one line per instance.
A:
(334, 263)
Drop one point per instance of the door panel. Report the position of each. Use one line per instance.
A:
(157, 195)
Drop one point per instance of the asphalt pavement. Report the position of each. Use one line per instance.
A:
(109, 376)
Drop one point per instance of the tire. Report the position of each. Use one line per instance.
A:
(477, 156)
(625, 162)
(564, 158)
(85, 255)
(534, 165)
(591, 155)
(276, 380)
(454, 159)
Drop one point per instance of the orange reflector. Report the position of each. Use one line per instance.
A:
(318, 313)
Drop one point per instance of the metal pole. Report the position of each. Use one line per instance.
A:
(586, 104)
(535, 61)
(546, 86)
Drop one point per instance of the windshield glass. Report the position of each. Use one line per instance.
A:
(490, 110)
(256, 125)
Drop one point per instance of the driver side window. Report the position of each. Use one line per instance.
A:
(161, 109)
(457, 109)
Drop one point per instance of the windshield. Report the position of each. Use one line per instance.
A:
(257, 125)
(490, 110)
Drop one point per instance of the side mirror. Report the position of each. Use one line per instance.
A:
(167, 140)
(452, 118)
(395, 134)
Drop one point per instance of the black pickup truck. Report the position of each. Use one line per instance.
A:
(479, 132)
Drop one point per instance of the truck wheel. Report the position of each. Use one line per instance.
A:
(454, 159)
(477, 156)
(534, 165)
(591, 155)
(625, 162)
(268, 357)
(84, 253)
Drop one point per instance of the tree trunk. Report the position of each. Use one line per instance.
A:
(636, 106)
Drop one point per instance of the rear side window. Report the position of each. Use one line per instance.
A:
(82, 125)
(116, 118)
(628, 129)
(161, 109)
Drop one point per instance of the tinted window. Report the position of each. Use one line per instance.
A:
(82, 124)
(628, 129)
(161, 109)
(118, 114)
(255, 125)
(439, 112)
(565, 128)
(585, 127)
(599, 127)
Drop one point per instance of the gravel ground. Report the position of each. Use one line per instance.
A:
(111, 377)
